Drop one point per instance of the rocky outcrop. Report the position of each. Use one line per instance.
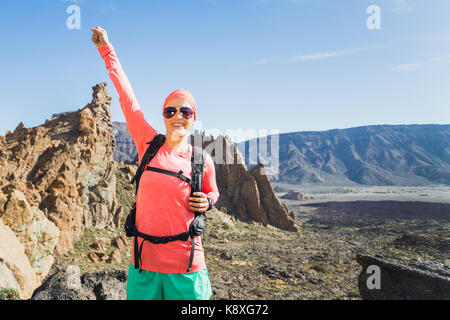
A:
(277, 213)
(59, 178)
(100, 247)
(15, 268)
(38, 234)
(246, 194)
(67, 283)
(65, 169)
(292, 195)
(415, 281)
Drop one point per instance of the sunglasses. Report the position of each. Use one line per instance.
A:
(186, 112)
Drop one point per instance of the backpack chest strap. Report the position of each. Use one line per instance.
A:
(178, 174)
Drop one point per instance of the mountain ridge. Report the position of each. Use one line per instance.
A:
(384, 154)
(370, 155)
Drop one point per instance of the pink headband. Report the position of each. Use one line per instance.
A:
(184, 94)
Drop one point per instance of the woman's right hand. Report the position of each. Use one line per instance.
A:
(99, 36)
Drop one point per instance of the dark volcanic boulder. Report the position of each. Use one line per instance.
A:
(106, 284)
(416, 281)
(66, 283)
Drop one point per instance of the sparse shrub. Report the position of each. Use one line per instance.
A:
(320, 267)
(9, 294)
(353, 294)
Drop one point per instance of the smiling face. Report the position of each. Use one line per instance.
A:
(178, 126)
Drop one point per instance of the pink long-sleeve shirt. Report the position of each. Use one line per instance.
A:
(162, 201)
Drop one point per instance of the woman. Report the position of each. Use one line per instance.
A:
(163, 203)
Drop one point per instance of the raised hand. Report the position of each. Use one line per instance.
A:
(99, 36)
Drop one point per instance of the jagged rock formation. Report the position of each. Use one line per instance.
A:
(57, 179)
(416, 281)
(246, 194)
(66, 283)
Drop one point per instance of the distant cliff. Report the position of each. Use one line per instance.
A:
(369, 155)
(125, 149)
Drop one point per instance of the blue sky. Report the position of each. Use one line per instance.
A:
(288, 65)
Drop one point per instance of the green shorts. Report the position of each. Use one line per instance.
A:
(149, 285)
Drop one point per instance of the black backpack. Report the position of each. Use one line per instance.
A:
(197, 226)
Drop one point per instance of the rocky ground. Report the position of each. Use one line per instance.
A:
(250, 261)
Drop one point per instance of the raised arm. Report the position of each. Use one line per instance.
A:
(138, 127)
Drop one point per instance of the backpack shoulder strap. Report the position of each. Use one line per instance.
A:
(197, 162)
(154, 145)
